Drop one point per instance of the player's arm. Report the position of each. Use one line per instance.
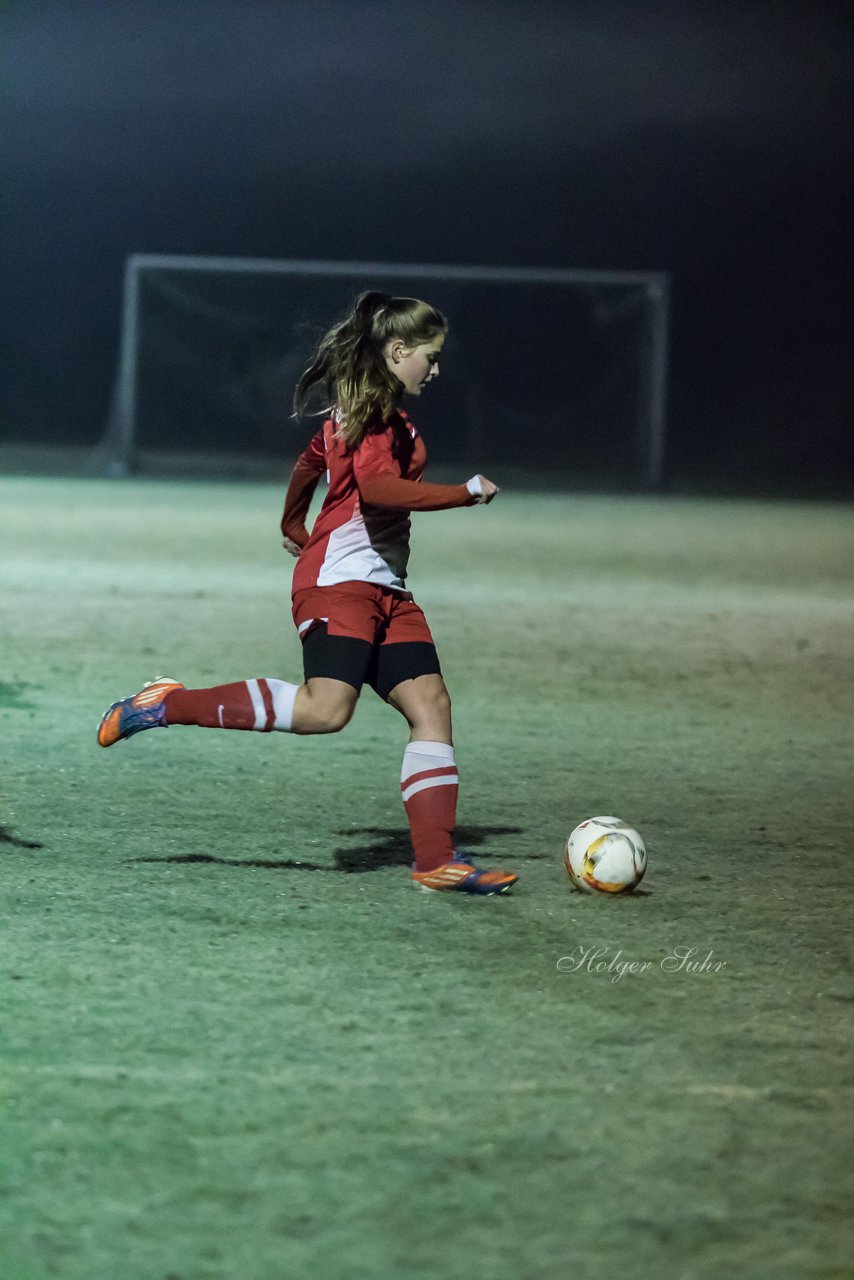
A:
(381, 487)
(308, 469)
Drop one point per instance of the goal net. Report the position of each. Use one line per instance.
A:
(559, 373)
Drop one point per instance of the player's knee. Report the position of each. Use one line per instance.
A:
(324, 709)
(442, 699)
(338, 715)
(335, 713)
(425, 703)
(433, 698)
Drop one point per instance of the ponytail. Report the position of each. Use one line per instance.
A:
(350, 361)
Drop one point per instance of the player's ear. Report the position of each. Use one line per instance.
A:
(395, 350)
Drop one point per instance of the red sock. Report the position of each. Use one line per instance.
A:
(429, 783)
(262, 704)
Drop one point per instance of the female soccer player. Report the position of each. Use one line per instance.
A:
(357, 621)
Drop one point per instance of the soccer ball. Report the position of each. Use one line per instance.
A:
(604, 855)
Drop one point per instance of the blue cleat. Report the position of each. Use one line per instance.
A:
(145, 710)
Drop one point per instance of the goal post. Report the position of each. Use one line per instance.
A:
(545, 365)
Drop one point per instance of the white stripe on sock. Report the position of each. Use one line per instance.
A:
(420, 756)
(284, 697)
(449, 781)
(257, 704)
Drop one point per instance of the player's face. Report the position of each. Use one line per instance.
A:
(415, 366)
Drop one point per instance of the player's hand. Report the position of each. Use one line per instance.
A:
(293, 547)
(482, 489)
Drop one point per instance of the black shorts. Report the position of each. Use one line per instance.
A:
(363, 633)
(358, 662)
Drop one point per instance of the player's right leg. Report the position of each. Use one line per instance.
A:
(335, 668)
(323, 705)
(263, 705)
(143, 710)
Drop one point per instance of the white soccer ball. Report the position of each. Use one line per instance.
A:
(604, 855)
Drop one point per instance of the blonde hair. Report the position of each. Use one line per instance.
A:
(350, 362)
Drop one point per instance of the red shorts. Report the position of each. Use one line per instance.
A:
(363, 612)
(363, 634)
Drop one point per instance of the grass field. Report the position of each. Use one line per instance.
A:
(237, 1046)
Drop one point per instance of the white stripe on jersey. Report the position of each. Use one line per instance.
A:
(257, 704)
(430, 782)
(375, 552)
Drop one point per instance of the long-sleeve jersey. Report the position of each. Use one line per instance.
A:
(362, 530)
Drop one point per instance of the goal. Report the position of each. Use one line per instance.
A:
(549, 371)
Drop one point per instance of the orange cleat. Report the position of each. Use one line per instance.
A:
(459, 876)
(145, 710)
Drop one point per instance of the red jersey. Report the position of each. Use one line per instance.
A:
(362, 530)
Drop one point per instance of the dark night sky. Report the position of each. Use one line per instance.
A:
(709, 140)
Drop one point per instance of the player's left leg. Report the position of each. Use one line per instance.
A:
(428, 778)
(425, 703)
(429, 783)
(406, 674)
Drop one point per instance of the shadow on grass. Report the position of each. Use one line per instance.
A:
(393, 848)
(385, 848)
(6, 837)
